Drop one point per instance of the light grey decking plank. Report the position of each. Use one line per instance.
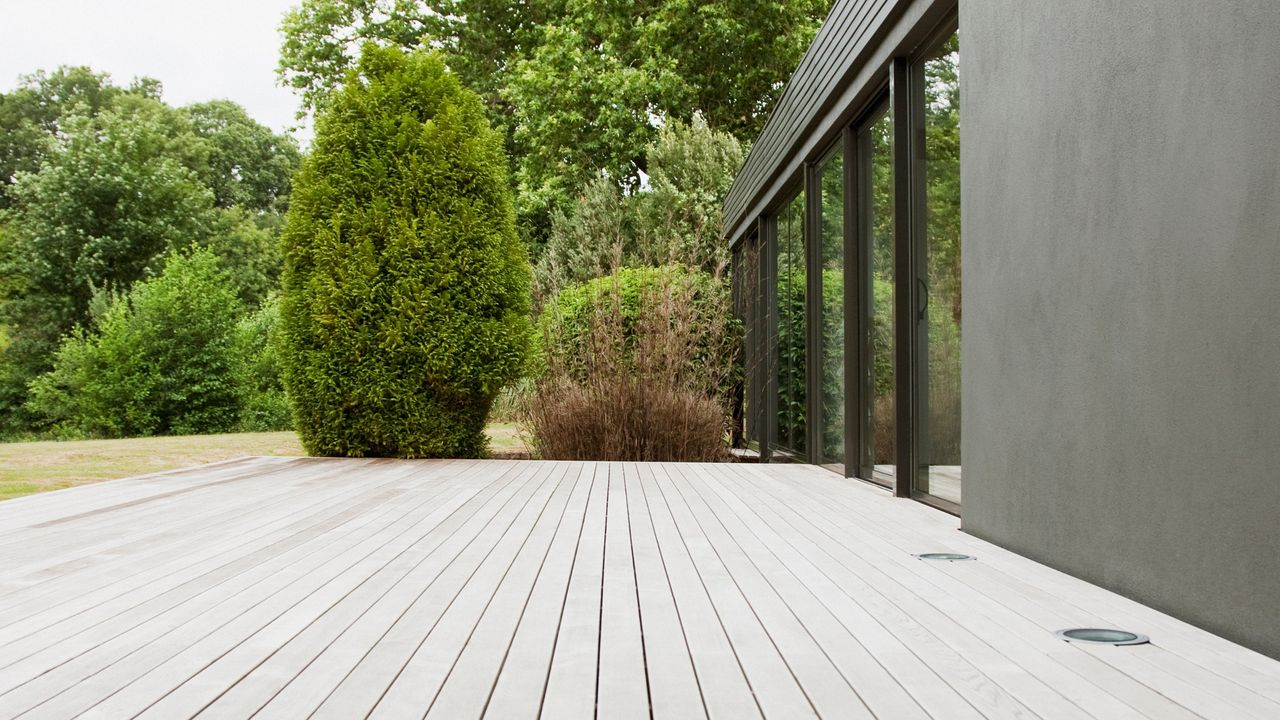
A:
(53, 582)
(45, 632)
(503, 578)
(623, 684)
(1249, 668)
(1025, 654)
(1026, 644)
(522, 680)
(287, 586)
(829, 691)
(571, 683)
(311, 665)
(807, 594)
(388, 554)
(156, 668)
(889, 645)
(1006, 599)
(472, 679)
(198, 670)
(113, 667)
(53, 505)
(76, 542)
(361, 691)
(776, 688)
(863, 584)
(453, 498)
(64, 536)
(726, 691)
(128, 652)
(674, 692)
(168, 568)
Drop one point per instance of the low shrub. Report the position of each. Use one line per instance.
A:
(156, 362)
(264, 405)
(639, 366)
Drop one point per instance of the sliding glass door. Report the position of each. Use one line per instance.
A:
(937, 426)
(874, 274)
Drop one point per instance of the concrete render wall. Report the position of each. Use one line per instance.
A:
(1121, 200)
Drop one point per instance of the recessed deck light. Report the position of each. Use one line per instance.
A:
(945, 556)
(1102, 636)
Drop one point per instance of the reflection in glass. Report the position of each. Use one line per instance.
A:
(831, 234)
(791, 327)
(876, 180)
(939, 450)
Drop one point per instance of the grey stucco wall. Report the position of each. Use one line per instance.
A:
(1121, 199)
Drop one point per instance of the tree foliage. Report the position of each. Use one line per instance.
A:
(156, 361)
(248, 166)
(676, 219)
(406, 289)
(101, 184)
(576, 86)
(256, 371)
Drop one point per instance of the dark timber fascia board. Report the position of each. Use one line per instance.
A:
(842, 71)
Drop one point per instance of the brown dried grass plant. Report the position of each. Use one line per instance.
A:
(642, 386)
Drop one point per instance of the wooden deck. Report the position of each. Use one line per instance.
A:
(288, 588)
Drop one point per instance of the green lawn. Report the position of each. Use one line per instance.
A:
(31, 467)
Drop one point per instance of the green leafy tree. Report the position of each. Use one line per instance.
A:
(32, 115)
(248, 165)
(405, 306)
(102, 212)
(102, 182)
(157, 360)
(248, 246)
(575, 85)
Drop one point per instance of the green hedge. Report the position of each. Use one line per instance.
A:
(405, 306)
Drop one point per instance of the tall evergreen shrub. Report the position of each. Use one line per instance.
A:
(405, 306)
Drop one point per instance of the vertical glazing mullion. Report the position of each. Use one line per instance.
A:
(855, 331)
(812, 233)
(905, 257)
(769, 339)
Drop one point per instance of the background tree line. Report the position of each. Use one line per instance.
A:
(102, 186)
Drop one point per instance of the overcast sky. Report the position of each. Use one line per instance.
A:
(199, 49)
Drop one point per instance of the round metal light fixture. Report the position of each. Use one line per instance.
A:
(1102, 636)
(945, 556)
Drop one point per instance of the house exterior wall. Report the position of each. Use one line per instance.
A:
(1121, 234)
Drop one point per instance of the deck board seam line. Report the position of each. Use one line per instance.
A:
(520, 620)
(688, 482)
(997, 601)
(557, 481)
(524, 504)
(445, 489)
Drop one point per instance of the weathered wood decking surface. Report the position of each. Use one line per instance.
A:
(345, 588)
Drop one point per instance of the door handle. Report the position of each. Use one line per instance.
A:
(924, 306)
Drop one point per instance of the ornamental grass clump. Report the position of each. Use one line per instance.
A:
(640, 366)
(405, 303)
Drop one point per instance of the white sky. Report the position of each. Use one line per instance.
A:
(199, 49)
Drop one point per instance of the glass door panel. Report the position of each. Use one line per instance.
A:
(938, 422)
(789, 437)
(874, 180)
(831, 247)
